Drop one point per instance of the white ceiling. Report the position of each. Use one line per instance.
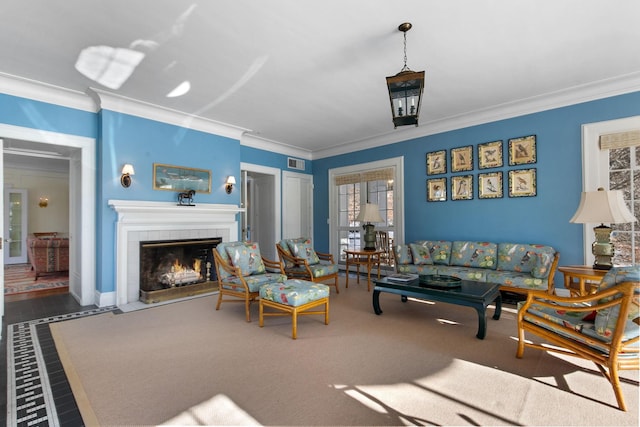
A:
(311, 75)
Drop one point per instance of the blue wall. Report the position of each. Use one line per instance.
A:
(542, 219)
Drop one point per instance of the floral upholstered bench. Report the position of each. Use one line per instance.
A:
(292, 298)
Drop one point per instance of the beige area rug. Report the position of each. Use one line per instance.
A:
(416, 364)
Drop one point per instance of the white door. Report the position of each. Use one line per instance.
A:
(15, 226)
(297, 201)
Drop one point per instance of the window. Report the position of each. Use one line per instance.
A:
(354, 186)
(611, 159)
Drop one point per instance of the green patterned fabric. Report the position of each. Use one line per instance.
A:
(317, 270)
(517, 280)
(222, 251)
(254, 283)
(403, 254)
(417, 269)
(440, 250)
(474, 254)
(606, 318)
(247, 257)
(420, 254)
(294, 292)
(524, 258)
(305, 251)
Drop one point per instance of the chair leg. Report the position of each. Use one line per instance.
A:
(336, 284)
(520, 350)
(614, 379)
(219, 300)
(247, 307)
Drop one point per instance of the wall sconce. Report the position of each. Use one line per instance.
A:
(127, 171)
(231, 180)
(43, 202)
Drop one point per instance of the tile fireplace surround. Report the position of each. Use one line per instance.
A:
(150, 221)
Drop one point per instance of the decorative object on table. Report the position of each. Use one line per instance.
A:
(368, 214)
(185, 198)
(490, 185)
(462, 159)
(599, 207)
(229, 183)
(401, 277)
(125, 178)
(522, 150)
(462, 187)
(440, 281)
(490, 155)
(405, 90)
(437, 162)
(437, 190)
(178, 178)
(522, 183)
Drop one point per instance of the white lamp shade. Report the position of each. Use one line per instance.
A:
(369, 213)
(128, 169)
(231, 180)
(602, 206)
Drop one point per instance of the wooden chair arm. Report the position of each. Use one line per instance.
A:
(272, 265)
(586, 303)
(325, 256)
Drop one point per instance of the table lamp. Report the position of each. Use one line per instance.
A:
(368, 214)
(599, 207)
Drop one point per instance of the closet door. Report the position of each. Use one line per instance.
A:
(15, 226)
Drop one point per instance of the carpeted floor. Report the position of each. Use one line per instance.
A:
(415, 364)
(19, 279)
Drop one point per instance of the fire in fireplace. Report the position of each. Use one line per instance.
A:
(169, 264)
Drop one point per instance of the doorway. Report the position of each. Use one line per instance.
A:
(261, 200)
(79, 154)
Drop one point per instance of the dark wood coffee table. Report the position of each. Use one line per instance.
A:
(469, 294)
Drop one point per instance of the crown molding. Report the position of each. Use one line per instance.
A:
(43, 92)
(571, 96)
(121, 104)
(253, 141)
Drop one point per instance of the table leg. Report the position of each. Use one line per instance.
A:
(376, 302)
(369, 273)
(498, 311)
(347, 268)
(482, 323)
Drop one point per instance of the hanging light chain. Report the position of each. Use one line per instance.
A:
(405, 52)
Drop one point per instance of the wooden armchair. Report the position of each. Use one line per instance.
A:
(242, 271)
(301, 261)
(601, 327)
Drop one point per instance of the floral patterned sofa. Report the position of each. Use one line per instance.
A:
(517, 267)
(48, 255)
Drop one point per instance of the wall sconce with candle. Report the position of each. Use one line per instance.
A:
(125, 178)
(43, 202)
(229, 183)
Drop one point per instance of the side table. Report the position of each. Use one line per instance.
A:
(360, 257)
(581, 279)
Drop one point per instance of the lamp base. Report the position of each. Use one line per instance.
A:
(369, 237)
(602, 248)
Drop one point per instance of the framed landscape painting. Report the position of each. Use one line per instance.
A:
(178, 178)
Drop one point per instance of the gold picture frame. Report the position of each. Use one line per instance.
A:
(490, 155)
(178, 178)
(522, 150)
(522, 183)
(437, 190)
(437, 162)
(490, 185)
(462, 159)
(462, 187)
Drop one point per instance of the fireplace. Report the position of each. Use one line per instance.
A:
(173, 268)
(147, 221)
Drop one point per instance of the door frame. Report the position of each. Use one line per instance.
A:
(82, 198)
(22, 259)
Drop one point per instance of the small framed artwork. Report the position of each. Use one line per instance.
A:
(522, 150)
(490, 155)
(178, 178)
(490, 185)
(462, 159)
(462, 187)
(437, 162)
(437, 190)
(522, 183)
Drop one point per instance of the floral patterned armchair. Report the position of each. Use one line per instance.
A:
(301, 261)
(601, 327)
(242, 271)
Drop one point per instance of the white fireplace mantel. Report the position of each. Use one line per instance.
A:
(150, 221)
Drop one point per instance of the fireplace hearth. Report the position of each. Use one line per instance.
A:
(171, 269)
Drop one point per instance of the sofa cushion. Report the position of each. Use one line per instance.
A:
(294, 292)
(607, 318)
(420, 254)
(523, 258)
(514, 279)
(247, 257)
(474, 254)
(440, 250)
(417, 269)
(403, 254)
(304, 250)
(464, 273)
